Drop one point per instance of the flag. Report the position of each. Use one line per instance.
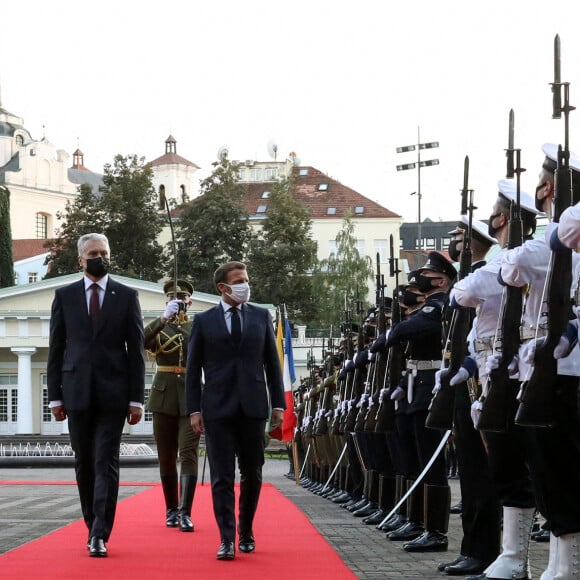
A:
(279, 338)
(286, 433)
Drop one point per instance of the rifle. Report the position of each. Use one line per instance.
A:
(495, 403)
(385, 416)
(357, 383)
(348, 381)
(442, 407)
(380, 361)
(536, 407)
(329, 385)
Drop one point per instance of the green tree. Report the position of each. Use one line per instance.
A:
(6, 263)
(81, 216)
(129, 205)
(282, 257)
(213, 228)
(342, 278)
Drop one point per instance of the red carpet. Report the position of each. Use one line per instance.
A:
(287, 546)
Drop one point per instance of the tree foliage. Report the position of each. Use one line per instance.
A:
(282, 257)
(6, 262)
(213, 228)
(342, 278)
(126, 211)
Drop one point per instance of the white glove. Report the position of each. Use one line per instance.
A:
(461, 376)
(562, 349)
(437, 386)
(476, 408)
(493, 361)
(171, 310)
(398, 394)
(529, 350)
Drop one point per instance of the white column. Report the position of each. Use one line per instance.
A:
(301, 334)
(24, 422)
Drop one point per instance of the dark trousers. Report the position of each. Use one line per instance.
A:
(409, 462)
(96, 438)
(555, 467)
(426, 442)
(510, 454)
(225, 439)
(175, 438)
(480, 518)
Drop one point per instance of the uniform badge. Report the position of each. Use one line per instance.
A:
(428, 309)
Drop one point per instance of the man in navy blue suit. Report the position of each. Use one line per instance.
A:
(233, 344)
(96, 378)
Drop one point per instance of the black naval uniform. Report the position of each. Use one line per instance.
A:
(171, 426)
(423, 333)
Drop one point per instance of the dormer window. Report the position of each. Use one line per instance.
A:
(331, 211)
(303, 171)
(265, 194)
(262, 209)
(359, 209)
(323, 187)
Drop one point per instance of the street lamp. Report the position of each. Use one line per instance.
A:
(418, 164)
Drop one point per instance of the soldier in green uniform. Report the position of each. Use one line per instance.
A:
(167, 337)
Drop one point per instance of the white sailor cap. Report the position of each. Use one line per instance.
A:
(508, 191)
(479, 230)
(551, 162)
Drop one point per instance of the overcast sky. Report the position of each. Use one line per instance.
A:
(342, 84)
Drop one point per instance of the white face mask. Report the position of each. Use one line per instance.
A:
(240, 293)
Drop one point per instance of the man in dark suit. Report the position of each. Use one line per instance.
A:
(96, 378)
(233, 345)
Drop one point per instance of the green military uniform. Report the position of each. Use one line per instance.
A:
(167, 340)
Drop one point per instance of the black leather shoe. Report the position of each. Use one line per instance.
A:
(97, 548)
(363, 502)
(247, 543)
(375, 518)
(395, 522)
(352, 501)
(226, 551)
(172, 518)
(441, 567)
(457, 508)
(406, 532)
(185, 523)
(465, 567)
(541, 536)
(366, 510)
(427, 542)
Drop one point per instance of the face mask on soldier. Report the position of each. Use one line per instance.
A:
(425, 283)
(452, 250)
(409, 298)
(491, 230)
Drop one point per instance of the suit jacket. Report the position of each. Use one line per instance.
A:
(244, 378)
(103, 366)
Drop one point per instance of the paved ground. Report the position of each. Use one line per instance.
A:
(28, 512)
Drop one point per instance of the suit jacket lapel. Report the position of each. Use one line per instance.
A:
(109, 303)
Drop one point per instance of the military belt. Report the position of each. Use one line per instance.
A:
(484, 343)
(169, 369)
(528, 332)
(423, 365)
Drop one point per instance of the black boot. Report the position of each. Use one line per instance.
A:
(436, 517)
(187, 484)
(169, 485)
(400, 516)
(414, 526)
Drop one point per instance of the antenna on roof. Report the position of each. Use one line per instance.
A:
(272, 149)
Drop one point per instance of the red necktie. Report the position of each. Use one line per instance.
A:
(94, 306)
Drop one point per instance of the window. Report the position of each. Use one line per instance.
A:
(265, 194)
(46, 412)
(262, 209)
(381, 249)
(148, 415)
(183, 193)
(256, 174)
(41, 226)
(270, 173)
(360, 246)
(323, 187)
(445, 243)
(332, 247)
(19, 140)
(359, 209)
(32, 277)
(242, 174)
(429, 243)
(8, 398)
(303, 171)
(331, 211)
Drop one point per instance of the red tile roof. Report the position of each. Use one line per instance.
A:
(172, 159)
(317, 192)
(22, 249)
